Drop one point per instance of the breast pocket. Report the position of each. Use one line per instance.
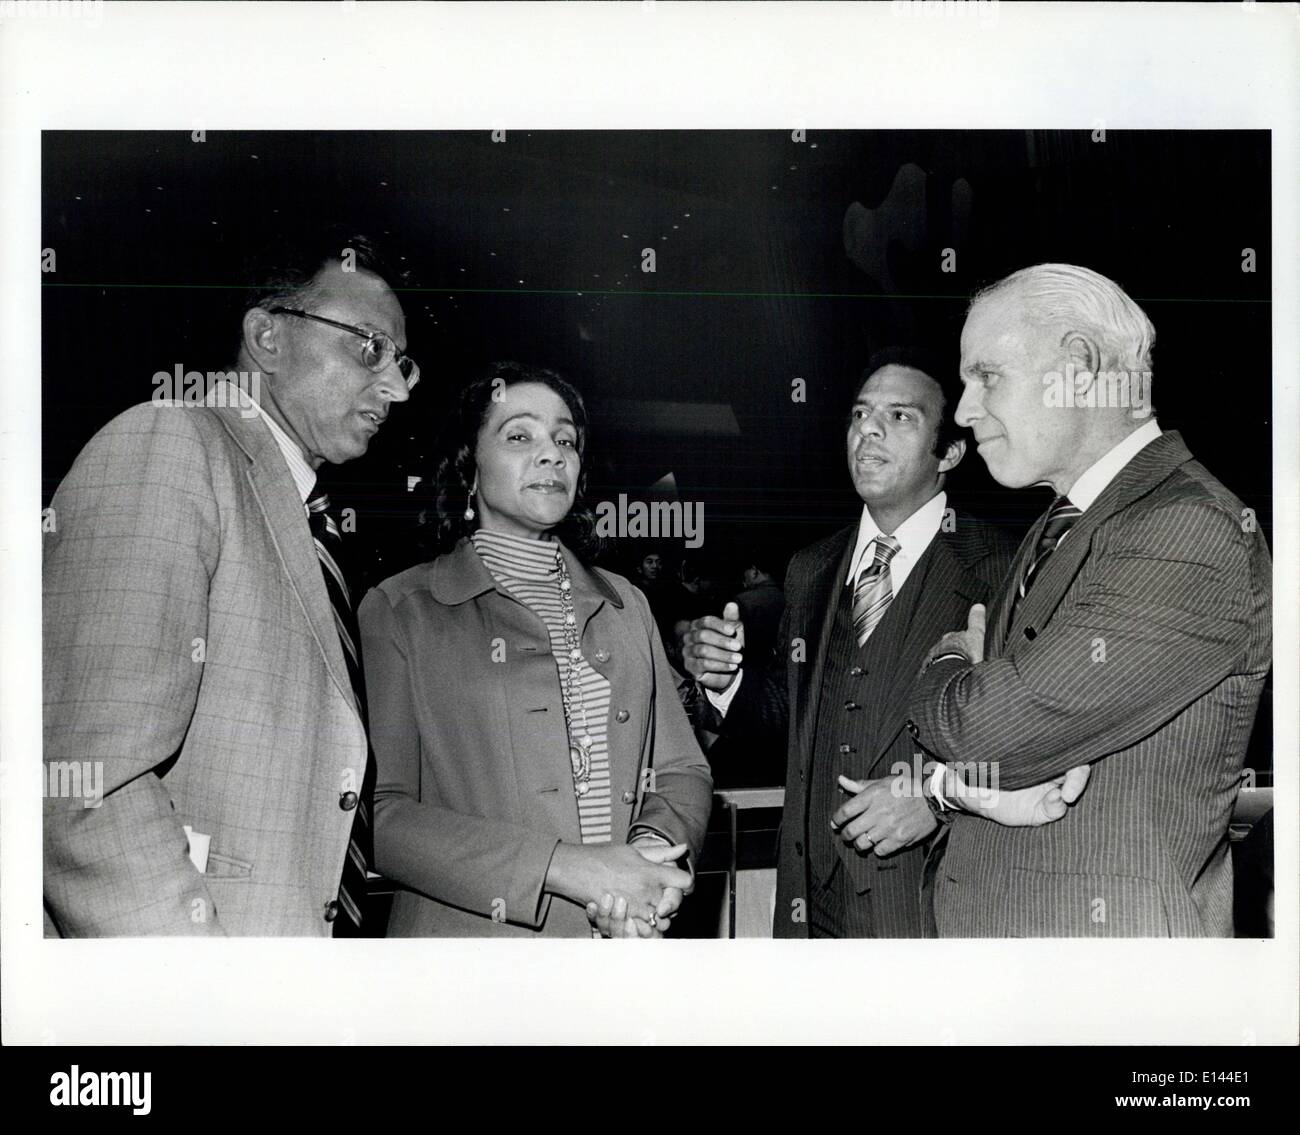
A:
(221, 866)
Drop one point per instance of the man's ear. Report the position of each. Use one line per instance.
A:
(1083, 358)
(952, 458)
(262, 340)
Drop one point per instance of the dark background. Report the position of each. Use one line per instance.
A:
(776, 260)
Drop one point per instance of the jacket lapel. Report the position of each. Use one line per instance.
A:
(589, 589)
(818, 606)
(1148, 467)
(940, 595)
(286, 523)
(999, 617)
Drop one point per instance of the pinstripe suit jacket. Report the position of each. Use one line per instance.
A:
(964, 566)
(190, 647)
(1141, 649)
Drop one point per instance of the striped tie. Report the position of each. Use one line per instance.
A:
(873, 592)
(329, 546)
(1060, 519)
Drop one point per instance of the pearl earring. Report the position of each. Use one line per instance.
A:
(469, 501)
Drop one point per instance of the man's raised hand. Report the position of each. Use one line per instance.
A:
(713, 648)
(969, 643)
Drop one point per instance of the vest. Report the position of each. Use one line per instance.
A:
(851, 710)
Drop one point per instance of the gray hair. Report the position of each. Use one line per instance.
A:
(1086, 301)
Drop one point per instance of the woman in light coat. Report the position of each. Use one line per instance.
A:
(536, 772)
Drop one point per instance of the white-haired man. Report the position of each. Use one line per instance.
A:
(1132, 636)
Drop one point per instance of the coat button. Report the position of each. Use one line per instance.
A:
(912, 729)
(621, 716)
(347, 801)
(602, 656)
(798, 847)
(629, 797)
(846, 749)
(851, 705)
(331, 910)
(856, 672)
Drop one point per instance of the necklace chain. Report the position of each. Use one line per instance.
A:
(580, 746)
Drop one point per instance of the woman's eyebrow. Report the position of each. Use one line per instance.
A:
(534, 418)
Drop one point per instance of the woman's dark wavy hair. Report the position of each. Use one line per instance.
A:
(444, 523)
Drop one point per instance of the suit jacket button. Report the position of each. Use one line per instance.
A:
(629, 797)
(621, 716)
(798, 847)
(856, 672)
(851, 705)
(347, 801)
(846, 749)
(602, 656)
(331, 910)
(912, 729)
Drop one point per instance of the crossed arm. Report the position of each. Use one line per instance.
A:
(890, 813)
(1161, 617)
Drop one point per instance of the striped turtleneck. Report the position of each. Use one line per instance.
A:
(528, 570)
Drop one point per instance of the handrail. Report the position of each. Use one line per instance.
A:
(746, 798)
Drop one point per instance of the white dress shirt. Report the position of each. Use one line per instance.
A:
(913, 535)
(227, 393)
(1094, 479)
(304, 476)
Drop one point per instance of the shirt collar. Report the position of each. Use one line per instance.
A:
(913, 535)
(460, 574)
(304, 476)
(1106, 468)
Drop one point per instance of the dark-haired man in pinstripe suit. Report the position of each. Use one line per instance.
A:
(1133, 636)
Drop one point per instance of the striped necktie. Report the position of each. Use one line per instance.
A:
(873, 592)
(1060, 519)
(329, 547)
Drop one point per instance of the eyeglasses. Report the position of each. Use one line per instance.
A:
(377, 352)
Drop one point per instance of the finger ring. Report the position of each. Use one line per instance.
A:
(654, 921)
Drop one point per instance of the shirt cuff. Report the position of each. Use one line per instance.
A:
(641, 833)
(722, 701)
(951, 654)
(936, 787)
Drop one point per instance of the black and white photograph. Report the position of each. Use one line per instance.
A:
(636, 522)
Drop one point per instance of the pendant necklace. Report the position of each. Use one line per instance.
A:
(581, 741)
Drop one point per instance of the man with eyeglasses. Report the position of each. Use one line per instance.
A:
(200, 642)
